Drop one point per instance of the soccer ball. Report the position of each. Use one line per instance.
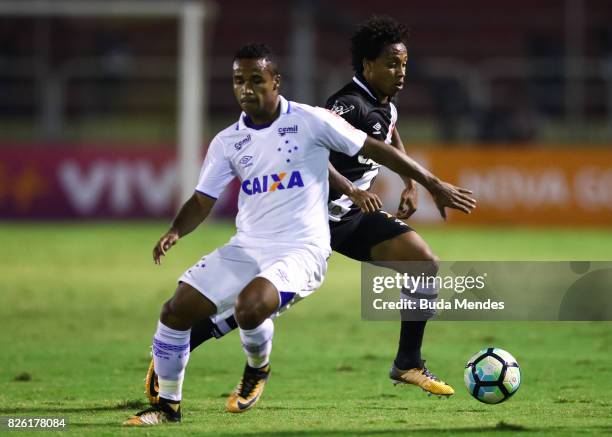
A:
(492, 375)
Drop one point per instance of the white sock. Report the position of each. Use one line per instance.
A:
(170, 355)
(257, 343)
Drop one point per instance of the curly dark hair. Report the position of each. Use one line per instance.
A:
(373, 36)
(257, 51)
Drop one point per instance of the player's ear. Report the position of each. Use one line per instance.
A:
(277, 82)
(367, 65)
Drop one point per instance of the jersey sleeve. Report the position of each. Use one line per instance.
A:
(335, 133)
(347, 107)
(216, 171)
(373, 129)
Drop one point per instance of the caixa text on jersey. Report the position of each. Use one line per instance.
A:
(272, 182)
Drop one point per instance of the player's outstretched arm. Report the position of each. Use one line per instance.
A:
(366, 201)
(444, 194)
(192, 213)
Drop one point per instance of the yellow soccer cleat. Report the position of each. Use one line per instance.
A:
(421, 377)
(249, 390)
(151, 385)
(155, 415)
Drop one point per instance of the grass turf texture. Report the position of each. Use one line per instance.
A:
(79, 303)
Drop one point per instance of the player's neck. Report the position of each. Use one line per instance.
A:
(382, 98)
(265, 117)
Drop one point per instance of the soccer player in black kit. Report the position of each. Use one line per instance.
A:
(359, 229)
(379, 58)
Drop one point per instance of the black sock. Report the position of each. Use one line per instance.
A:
(409, 350)
(205, 329)
(200, 332)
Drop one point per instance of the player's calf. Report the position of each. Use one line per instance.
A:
(201, 332)
(254, 305)
(171, 348)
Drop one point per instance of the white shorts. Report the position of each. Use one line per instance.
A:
(295, 270)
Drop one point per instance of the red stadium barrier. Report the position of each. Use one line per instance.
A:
(512, 185)
(67, 182)
(517, 185)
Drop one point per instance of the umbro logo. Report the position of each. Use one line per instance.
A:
(245, 161)
(340, 109)
(377, 127)
(282, 275)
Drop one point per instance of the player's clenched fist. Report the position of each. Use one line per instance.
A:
(164, 244)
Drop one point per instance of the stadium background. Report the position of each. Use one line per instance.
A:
(512, 99)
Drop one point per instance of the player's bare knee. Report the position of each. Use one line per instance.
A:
(429, 262)
(434, 263)
(250, 312)
(166, 311)
(425, 262)
(166, 316)
(246, 319)
(172, 316)
(250, 318)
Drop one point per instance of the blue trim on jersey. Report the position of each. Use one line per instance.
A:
(206, 194)
(285, 297)
(249, 123)
(244, 120)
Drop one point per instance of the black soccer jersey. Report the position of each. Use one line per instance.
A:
(358, 105)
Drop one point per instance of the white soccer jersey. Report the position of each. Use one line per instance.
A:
(282, 168)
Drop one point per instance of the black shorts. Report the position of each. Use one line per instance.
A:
(356, 236)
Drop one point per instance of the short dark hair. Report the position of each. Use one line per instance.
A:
(257, 51)
(372, 36)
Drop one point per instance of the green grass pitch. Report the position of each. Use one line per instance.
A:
(79, 304)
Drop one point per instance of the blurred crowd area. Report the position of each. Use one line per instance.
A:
(479, 71)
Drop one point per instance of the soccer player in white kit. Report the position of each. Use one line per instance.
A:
(279, 150)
